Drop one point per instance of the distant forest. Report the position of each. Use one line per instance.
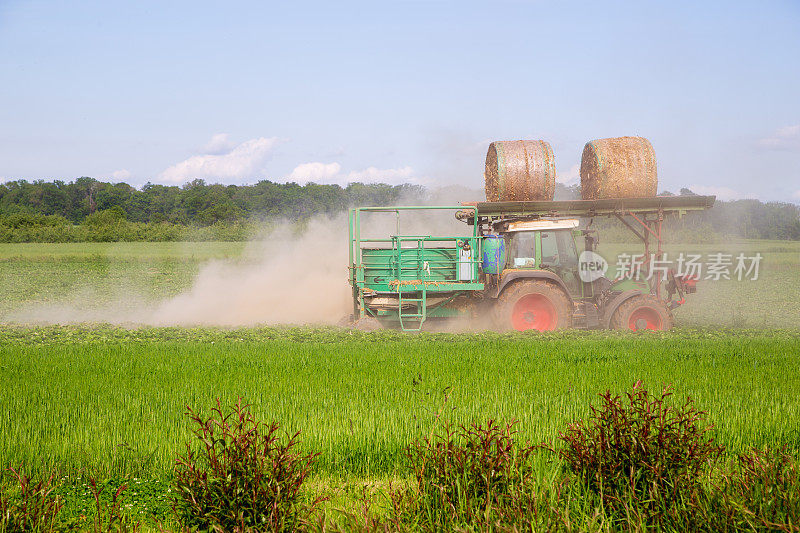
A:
(88, 209)
(195, 202)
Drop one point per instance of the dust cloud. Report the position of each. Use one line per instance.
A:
(298, 277)
(293, 274)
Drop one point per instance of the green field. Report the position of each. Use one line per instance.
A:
(72, 397)
(110, 402)
(94, 275)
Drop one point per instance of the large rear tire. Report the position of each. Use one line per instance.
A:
(642, 313)
(533, 305)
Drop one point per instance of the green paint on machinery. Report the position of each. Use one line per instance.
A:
(409, 278)
(518, 266)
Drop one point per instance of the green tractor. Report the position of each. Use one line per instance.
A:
(523, 266)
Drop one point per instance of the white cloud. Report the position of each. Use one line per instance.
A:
(392, 176)
(786, 138)
(570, 177)
(218, 145)
(796, 194)
(243, 161)
(722, 193)
(316, 172)
(331, 173)
(121, 174)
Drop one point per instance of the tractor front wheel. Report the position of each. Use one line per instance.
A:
(641, 313)
(533, 304)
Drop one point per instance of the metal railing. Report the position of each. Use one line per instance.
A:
(416, 265)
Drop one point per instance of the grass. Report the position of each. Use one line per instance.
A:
(117, 405)
(110, 402)
(143, 251)
(92, 275)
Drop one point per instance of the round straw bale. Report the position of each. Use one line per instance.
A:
(520, 171)
(620, 167)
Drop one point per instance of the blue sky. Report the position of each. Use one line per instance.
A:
(398, 91)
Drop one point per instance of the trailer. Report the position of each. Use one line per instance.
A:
(518, 267)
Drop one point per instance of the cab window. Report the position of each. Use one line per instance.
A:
(566, 249)
(558, 249)
(560, 256)
(521, 250)
(549, 249)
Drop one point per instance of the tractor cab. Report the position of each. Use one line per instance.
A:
(543, 245)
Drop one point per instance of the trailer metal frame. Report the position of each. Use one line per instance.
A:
(646, 216)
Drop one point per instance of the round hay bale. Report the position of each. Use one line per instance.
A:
(520, 171)
(620, 167)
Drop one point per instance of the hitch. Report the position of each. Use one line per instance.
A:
(681, 285)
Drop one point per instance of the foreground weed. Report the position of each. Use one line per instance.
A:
(243, 477)
(643, 457)
(473, 476)
(760, 492)
(33, 508)
(110, 518)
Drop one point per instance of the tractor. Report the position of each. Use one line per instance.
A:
(519, 267)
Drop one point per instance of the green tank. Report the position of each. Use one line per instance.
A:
(381, 265)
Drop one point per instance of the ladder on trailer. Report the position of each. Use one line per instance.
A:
(412, 309)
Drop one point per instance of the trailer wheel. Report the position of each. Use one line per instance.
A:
(641, 313)
(533, 304)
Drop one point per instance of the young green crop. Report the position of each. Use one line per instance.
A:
(113, 400)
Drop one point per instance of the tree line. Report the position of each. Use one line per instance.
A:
(195, 203)
(87, 209)
(747, 219)
(744, 219)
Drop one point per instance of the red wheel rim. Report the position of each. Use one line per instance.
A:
(534, 311)
(645, 318)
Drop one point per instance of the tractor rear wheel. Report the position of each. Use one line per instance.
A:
(641, 313)
(533, 304)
